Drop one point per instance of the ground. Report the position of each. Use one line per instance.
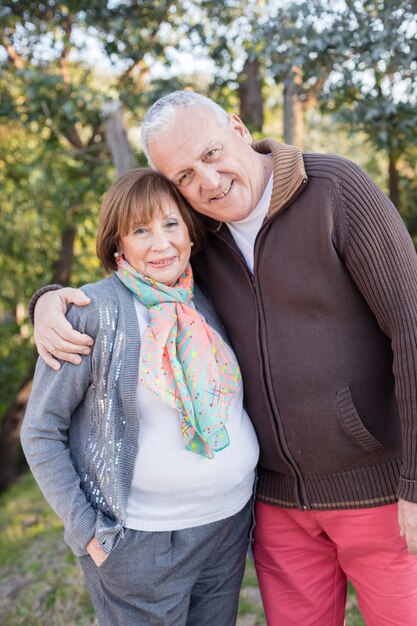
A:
(41, 583)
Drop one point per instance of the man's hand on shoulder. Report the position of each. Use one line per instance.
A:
(54, 335)
(407, 520)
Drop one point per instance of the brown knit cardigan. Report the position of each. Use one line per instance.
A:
(326, 335)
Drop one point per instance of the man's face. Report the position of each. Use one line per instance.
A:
(213, 166)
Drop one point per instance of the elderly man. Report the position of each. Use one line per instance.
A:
(315, 277)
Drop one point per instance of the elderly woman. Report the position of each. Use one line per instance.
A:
(145, 450)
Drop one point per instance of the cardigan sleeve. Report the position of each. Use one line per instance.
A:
(35, 297)
(44, 435)
(381, 259)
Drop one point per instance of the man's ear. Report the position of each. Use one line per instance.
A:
(238, 126)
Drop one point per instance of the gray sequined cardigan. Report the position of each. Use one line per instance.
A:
(80, 432)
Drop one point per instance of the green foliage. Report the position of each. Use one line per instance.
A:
(357, 58)
(308, 35)
(223, 31)
(54, 165)
(17, 357)
(40, 580)
(376, 84)
(42, 193)
(409, 189)
(52, 154)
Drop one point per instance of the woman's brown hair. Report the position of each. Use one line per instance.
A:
(134, 198)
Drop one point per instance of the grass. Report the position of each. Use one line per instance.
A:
(41, 581)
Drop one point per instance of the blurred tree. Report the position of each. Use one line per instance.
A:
(358, 57)
(408, 189)
(116, 137)
(375, 88)
(302, 42)
(41, 190)
(50, 82)
(60, 63)
(251, 101)
(223, 29)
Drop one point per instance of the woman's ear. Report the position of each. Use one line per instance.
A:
(118, 248)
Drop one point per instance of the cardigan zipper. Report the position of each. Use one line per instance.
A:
(303, 502)
(301, 498)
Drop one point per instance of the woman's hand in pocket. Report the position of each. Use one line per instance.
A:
(96, 552)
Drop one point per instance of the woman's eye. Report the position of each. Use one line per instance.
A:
(139, 231)
(171, 224)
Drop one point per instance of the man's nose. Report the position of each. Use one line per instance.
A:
(209, 178)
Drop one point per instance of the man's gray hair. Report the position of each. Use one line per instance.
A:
(161, 114)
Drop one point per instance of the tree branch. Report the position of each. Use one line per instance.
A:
(144, 71)
(313, 93)
(15, 58)
(67, 26)
(72, 141)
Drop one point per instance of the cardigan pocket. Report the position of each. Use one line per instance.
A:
(352, 423)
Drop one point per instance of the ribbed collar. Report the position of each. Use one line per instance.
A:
(289, 172)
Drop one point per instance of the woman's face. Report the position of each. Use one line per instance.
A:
(161, 248)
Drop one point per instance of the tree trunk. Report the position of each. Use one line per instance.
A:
(394, 180)
(9, 435)
(116, 138)
(10, 425)
(250, 95)
(65, 261)
(293, 109)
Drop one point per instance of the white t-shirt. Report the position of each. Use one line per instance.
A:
(174, 488)
(244, 232)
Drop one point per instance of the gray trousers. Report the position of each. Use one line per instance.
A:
(186, 577)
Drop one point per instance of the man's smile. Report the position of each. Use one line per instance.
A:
(223, 193)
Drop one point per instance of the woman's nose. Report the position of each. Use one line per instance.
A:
(160, 240)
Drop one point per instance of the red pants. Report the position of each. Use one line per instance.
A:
(303, 559)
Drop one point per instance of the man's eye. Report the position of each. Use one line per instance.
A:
(184, 178)
(212, 154)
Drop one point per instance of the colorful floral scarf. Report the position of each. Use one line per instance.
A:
(184, 361)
